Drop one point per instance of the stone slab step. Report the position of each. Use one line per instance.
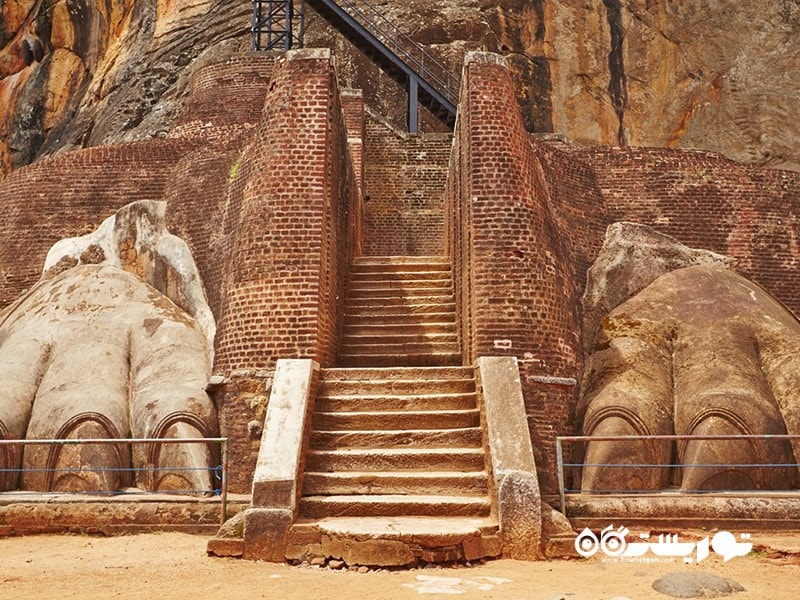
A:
(410, 299)
(384, 375)
(411, 438)
(397, 482)
(383, 328)
(403, 420)
(398, 275)
(402, 348)
(388, 360)
(388, 262)
(406, 459)
(372, 387)
(399, 319)
(400, 284)
(419, 402)
(390, 338)
(367, 308)
(394, 541)
(377, 505)
(400, 292)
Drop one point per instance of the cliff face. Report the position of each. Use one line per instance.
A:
(713, 75)
(76, 73)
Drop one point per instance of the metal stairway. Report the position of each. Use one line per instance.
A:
(427, 81)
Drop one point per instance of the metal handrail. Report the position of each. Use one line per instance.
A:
(222, 441)
(414, 54)
(630, 438)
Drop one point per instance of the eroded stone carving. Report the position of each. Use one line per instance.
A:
(115, 341)
(136, 239)
(699, 351)
(632, 257)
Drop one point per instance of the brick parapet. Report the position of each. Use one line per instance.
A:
(517, 283)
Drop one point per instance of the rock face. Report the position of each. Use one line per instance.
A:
(632, 257)
(644, 72)
(699, 351)
(85, 73)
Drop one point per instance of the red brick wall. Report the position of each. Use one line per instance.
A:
(707, 201)
(405, 177)
(220, 117)
(289, 220)
(70, 195)
(517, 288)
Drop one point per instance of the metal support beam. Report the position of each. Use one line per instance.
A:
(412, 114)
(273, 25)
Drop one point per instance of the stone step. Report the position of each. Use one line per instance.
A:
(395, 300)
(380, 376)
(387, 420)
(389, 329)
(402, 482)
(394, 541)
(395, 275)
(400, 291)
(411, 438)
(391, 339)
(398, 319)
(400, 284)
(437, 383)
(366, 308)
(399, 348)
(405, 459)
(407, 263)
(419, 402)
(378, 505)
(388, 360)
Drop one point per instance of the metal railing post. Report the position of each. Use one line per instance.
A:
(224, 491)
(560, 469)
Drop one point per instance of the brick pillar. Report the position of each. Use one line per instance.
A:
(353, 108)
(515, 282)
(291, 237)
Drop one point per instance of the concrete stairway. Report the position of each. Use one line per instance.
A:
(396, 470)
(400, 312)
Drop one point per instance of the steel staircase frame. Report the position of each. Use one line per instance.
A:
(427, 80)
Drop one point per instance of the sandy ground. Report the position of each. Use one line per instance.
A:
(175, 566)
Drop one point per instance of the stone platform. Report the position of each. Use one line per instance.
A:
(24, 513)
(762, 511)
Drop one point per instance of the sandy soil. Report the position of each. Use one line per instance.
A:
(175, 566)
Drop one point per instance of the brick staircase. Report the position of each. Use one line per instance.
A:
(400, 312)
(396, 469)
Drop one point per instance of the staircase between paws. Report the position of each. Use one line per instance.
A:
(396, 471)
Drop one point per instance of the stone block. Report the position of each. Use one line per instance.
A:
(384, 553)
(265, 532)
(280, 456)
(225, 547)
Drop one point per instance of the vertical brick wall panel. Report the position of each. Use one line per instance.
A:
(405, 177)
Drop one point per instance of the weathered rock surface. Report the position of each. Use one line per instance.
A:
(136, 240)
(699, 351)
(696, 584)
(77, 74)
(94, 352)
(645, 72)
(632, 257)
